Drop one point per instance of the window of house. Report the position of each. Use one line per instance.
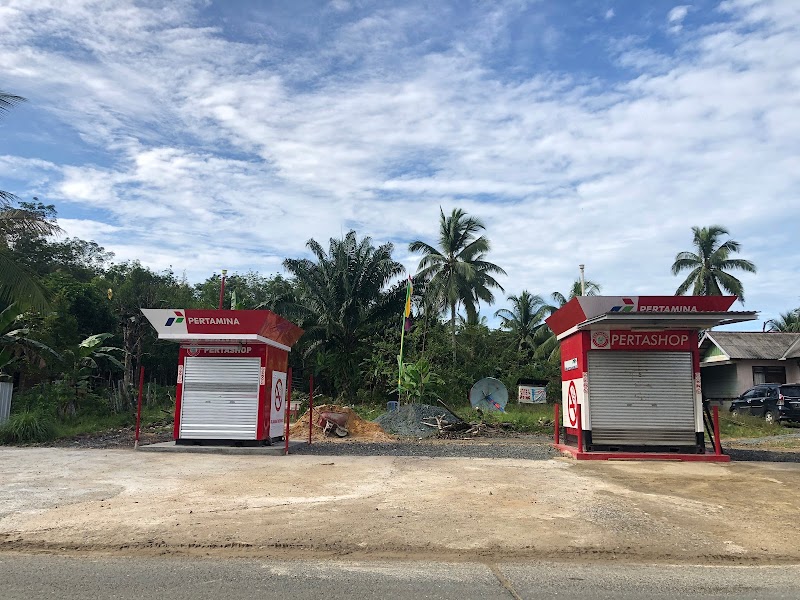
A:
(751, 393)
(769, 375)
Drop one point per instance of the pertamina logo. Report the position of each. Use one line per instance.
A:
(627, 306)
(178, 318)
(600, 339)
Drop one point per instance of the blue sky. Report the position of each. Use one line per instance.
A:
(203, 135)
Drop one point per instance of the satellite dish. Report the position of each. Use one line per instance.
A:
(489, 394)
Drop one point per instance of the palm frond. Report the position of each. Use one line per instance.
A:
(685, 260)
(739, 264)
(9, 101)
(18, 285)
(730, 284)
(688, 282)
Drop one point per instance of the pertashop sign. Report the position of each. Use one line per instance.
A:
(643, 340)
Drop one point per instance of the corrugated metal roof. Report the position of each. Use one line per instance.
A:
(757, 345)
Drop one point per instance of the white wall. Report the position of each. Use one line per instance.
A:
(744, 371)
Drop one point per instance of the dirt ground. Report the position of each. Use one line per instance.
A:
(122, 501)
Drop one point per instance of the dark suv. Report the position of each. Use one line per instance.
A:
(775, 402)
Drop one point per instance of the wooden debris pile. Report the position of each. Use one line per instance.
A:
(463, 429)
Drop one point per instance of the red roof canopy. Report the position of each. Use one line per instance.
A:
(656, 311)
(258, 326)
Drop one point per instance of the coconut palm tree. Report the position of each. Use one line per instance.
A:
(342, 296)
(788, 322)
(590, 288)
(480, 290)
(545, 339)
(710, 264)
(458, 272)
(524, 318)
(7, 102)
(16, 283)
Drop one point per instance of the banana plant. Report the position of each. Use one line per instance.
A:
(82, 362)
(417, 380)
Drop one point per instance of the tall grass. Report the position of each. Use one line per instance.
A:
(28, 427)
(746, 426)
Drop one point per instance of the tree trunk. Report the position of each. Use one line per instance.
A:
(424, 330)
(127, 347)
(453, 329)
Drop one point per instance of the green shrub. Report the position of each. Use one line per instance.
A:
(744, 426)
(26, 427)
(531, 418)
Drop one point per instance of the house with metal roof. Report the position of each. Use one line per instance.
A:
(731, 362)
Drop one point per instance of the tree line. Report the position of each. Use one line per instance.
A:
(73, 337)
(348, 297)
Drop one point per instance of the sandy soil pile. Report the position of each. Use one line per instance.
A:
(357, 428)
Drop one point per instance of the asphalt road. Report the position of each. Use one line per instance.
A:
(68, 578)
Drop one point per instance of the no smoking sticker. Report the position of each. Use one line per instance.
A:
(572, 404)
(278, 394)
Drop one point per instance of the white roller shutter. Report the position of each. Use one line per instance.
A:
(641, 398)
(220, 398)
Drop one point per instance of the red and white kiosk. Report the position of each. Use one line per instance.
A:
(232, 370)
(630, 374)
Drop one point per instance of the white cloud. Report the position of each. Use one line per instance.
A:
(676, 16)
(609, 14)
(340, 5)
(222, 153)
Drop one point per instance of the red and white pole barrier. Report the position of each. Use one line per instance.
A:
(579, 424)
(310, 407)
(139, 407)
(288, 410)
(717, 444)
(555, 424)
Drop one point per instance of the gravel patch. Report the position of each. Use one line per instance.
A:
(534, 449)
(764, 440)
(757, 455)
(407, 420)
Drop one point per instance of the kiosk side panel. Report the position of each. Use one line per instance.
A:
(275, 406)
(573, 374)
(178, 393)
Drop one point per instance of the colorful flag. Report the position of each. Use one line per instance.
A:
(408, 299)
(406, 327)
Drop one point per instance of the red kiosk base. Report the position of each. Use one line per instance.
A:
(583, 455)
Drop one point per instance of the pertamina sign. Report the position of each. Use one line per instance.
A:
(584, 308)
(197, 325)
(643, 340)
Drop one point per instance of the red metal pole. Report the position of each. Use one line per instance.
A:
(310, 406)
(580, 427)
(287, 409)
(222, 289)
(717, 445)
(139, 407)
(555, 423)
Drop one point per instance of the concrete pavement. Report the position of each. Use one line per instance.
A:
(78, 578)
